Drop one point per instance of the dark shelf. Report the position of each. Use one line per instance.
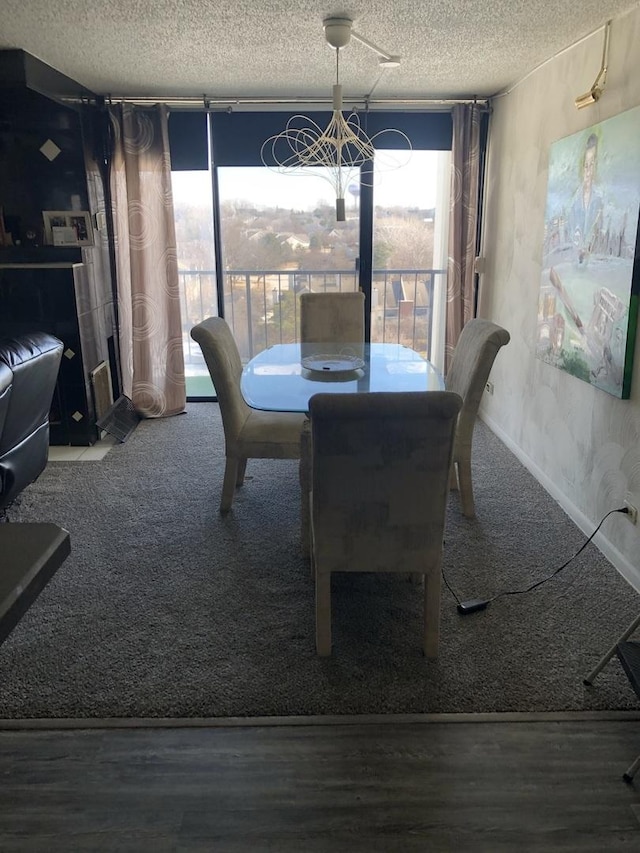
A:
(40, 255)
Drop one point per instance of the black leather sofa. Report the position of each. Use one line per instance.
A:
(29, 365)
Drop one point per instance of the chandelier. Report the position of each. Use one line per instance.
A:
(342, 148)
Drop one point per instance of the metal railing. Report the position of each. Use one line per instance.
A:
(262, 307)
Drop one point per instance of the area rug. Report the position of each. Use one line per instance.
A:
(167, 609)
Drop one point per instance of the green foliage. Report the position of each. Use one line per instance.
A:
(573, 362)
(382, 251)
(282, 327)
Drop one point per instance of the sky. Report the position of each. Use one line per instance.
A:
(411, 185)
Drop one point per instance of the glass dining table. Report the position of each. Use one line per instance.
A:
(284, 377)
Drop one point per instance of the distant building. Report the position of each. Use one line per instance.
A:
(297, 241)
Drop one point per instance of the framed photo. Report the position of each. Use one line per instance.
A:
(590, 284)
(67, 228)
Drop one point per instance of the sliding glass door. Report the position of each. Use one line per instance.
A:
(269, 236)
(408, 279)
(278, 238)
(193, 210)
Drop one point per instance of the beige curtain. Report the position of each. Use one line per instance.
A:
(151, 351)
(463, 218)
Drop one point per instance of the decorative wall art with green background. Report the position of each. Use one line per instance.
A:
(588, 304)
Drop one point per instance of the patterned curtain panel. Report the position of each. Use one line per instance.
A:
(151, 351)
(465, 160)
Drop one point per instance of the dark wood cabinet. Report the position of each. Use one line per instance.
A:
(51, 158)
(62, 299)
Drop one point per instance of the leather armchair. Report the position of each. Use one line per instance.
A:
(29, 365)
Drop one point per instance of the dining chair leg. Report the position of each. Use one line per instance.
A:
(453, 478)
(323, 614)
(229, 484)
(631, 770)
(466, 489)
(432, 584)
(305, 509)
(242, 467)
(304, 477)
(310, 552)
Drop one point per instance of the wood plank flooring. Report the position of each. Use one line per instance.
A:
(437, 786)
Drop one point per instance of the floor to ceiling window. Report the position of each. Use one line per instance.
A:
(270, 236)
(193, 210)
(410, 206)
(279, 237)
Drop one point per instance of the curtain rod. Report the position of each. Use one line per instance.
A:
(211, 104)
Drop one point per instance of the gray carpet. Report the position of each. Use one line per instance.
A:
(165, 609)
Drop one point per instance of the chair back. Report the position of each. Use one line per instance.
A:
(471, 365)
(380, 476)
(332, 317)
(223, 361)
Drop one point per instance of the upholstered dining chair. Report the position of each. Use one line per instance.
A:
(248, 433)
(380, 481)
(332, 317)
(468, 373)
(325, 318)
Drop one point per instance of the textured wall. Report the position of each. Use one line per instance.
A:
(582, 443)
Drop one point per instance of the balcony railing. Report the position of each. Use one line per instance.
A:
(262, 308)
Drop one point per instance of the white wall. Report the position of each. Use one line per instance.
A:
(581, 443)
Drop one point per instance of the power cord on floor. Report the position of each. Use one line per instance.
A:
(475, 604)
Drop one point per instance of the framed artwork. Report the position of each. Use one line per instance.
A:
(590, 283)
(67, 227)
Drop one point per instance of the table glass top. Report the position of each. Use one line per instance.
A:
(275, 380)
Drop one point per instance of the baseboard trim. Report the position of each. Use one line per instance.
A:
(323, 720)
(628, 571)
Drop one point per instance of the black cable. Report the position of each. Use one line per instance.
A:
(481, 604)
(563, 566)
(446, 583)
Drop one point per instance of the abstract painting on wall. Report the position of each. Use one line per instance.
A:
(588, 301)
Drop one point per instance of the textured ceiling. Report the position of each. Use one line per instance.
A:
(276, 48)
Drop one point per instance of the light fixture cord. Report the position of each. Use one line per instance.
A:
(605, 56)
(338, 129)
(605, 46)
(601, 79)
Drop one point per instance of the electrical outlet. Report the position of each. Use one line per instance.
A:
(489, 387)
(632, 513)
